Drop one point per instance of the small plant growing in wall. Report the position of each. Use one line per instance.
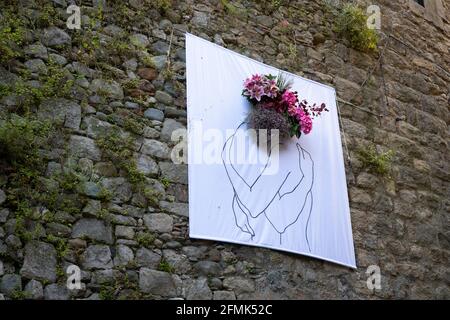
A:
(61, 245)
(118, 148)
(152, 196)
(47, 16)
(20, 295)
(107, 293)
(351, 24)
(376, 162)
(12, 34)
(229, 8)
(162, 5)
(145, 239)
(55, 83)
(165, 182)
(20, 140)
(165, 266)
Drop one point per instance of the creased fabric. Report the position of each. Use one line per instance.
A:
(297, 203)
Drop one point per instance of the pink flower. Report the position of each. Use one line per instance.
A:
(257, 78)
(258, 86)
(306, 124)
(249, 82)
(290, 98)
(262, 91)
(256, 93)
(305, 120)
(292, 111)
(271, 89)
(302, 117)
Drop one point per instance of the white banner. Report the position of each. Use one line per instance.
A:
(294, 200)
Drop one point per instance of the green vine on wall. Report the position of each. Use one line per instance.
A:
(351, 25)
(12, 35)
(376, 162)
(118, 148)
(56, 82)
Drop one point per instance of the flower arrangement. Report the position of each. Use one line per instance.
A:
(276, 106)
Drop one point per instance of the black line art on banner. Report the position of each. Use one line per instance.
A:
(297, 182)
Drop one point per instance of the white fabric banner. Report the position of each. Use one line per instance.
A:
(295, 202)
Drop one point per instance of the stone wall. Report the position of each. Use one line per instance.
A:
(119, 209)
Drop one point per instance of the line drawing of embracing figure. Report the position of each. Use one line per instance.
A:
(293, 185)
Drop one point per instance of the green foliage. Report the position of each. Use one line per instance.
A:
(55, 83)
(19, 295)
(61, 245)
(130, 84)
(71, 205)
(351, 24)
(292, 51)
(152, 196)
(379, 163)
(165, 182)
(60, 271)
(88, 42)
(20, 140)
(274, 5)
(12, 34)
(168, 72)
(270, 6)
(133, 125)
(118, 148)
(235, 11)
(124, 15)
(119, 47)
(123, 282)
(30, 195)
(115, 145)
(162, 5)
(229, 8)
(69, 180)
(250, 268)
(23, 211)
(104, 214)
(134, 175)
(5, 90)
(28, 96)
(107, 293)
(103, 92)
(105, 194)
(165, 266)
(147, 60)
(30, 201)
(24, 232)
(87, 39)
(21, 231)
(47, 16)
(97, 17)
(145, 239)
(48, 217)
